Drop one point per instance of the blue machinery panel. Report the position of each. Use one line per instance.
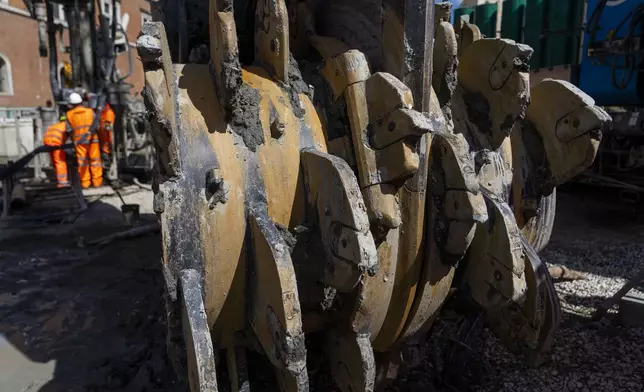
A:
(612, 79)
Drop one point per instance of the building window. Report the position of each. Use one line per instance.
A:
(6, 81)
(106, 10)
(59, 15)
(145, 18)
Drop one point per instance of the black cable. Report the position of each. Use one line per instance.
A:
(593, 21)
(627, 51)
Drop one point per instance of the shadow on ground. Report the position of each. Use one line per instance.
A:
(596, 233)
(593, 234)
(80, 318)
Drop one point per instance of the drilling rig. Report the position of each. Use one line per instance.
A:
(94, 42)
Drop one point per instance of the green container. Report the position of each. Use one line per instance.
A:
(562, 32)
(465, 11)
(534, 27)
(555, 34)
(577, 20)
(513, 22)
(485, 19)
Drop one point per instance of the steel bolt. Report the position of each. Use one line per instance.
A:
(277, 128)
(215, 188)
(213, 180)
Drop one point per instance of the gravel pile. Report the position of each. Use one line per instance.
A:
(604, 241)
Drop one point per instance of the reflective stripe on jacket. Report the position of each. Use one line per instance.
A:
(107, 118)
(55, 134)
(80, 120)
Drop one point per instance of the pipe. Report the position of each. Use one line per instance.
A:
(71, 14)
(114, 22)
(94, 40)
(129, 56)
(53, 53)
(39, 11)
(18, 196)
(109, 48)
(88, 54)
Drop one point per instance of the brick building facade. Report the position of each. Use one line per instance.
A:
(24, 75)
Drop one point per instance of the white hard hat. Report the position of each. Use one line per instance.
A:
(74, 98)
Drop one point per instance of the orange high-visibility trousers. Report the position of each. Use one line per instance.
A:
(55, 136)
(59, 162)
(90, 168)
(88, 150)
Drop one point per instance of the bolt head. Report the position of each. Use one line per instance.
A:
(213, 180)
(277, 128)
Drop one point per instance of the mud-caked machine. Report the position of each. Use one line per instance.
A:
(328, 172)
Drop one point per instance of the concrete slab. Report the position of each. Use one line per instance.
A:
(19, 373)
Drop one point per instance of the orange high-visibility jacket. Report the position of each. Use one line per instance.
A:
(55, 134)
(80, 119)
(107, 125)
(107, 117)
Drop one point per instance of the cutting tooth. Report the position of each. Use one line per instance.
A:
(276, 316)
(528, 328)
(445, 62)
(496, 262)
(334, 196)
(272, 38)
(201, 358)
(493, 91)
(224, 53)
(569, 127)
(467, 33)
(351, 361)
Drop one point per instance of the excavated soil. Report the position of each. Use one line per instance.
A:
(75, 317)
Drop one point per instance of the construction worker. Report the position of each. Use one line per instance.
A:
(105, 134)
(55, 136)
(66, 74)
(88, 152)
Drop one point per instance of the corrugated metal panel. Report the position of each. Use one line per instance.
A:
(18, 135)
(16, 138)
(557, 33)
(534, 26)
(513, 21)
(577, 21)
(562, 32)
(485, 19)
(467, 12)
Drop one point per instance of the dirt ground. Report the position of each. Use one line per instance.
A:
(82, 318)
(75, 317)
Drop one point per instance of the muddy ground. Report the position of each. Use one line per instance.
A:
(75, 317)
